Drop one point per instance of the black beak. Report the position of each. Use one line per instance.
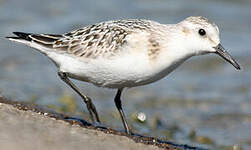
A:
(225, 55)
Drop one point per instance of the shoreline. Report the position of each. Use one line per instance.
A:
(15, 115)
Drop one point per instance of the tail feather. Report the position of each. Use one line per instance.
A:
(20, 38)
(35, 40)
(42, 42)
(44, 38)
(24, 36)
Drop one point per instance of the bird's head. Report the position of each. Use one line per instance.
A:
(202, 36)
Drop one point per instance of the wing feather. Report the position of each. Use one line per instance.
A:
(102, 39)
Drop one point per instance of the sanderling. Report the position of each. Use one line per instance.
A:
(125, 53)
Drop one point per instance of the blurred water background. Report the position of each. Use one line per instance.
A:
(205, 102)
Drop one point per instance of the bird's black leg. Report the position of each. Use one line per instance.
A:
(90, 106)
(121, 112)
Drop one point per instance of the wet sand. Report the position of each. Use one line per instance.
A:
(26, 126)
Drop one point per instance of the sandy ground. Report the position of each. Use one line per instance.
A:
(27, 128)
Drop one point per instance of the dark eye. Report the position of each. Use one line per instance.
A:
(202, 32)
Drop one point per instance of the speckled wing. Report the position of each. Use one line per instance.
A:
(103, 39)
(93, 41)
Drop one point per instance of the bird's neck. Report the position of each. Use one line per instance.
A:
(174, 52)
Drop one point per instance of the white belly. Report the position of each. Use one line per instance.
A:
(126, 71)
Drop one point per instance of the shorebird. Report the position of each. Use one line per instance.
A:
(125, 53)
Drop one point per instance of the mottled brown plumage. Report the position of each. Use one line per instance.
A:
(103, 39)
(153, 48)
